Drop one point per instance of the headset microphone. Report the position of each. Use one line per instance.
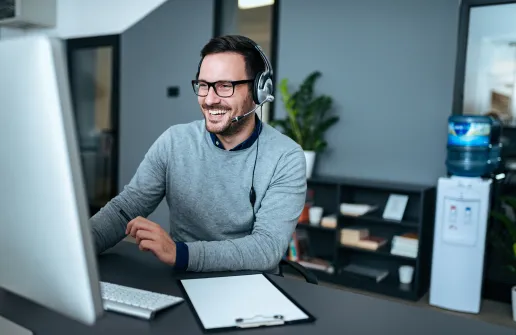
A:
(269, 98)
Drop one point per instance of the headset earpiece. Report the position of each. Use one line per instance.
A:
(256, 87)
(263, 81)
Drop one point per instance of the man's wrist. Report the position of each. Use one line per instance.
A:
(182, 256)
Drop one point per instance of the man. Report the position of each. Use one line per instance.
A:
(211, 172)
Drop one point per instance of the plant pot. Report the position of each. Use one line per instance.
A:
(310, 161)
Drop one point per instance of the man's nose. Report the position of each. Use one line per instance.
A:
(212, 97)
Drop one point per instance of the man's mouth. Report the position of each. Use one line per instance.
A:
(217, 111)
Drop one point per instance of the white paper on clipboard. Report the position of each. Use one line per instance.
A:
(240, 301)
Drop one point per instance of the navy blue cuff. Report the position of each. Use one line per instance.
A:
(181, 256)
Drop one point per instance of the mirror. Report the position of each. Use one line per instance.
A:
(489, 37)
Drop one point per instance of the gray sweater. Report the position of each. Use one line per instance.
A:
(207, 192)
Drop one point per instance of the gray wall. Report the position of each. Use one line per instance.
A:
(389, 65)
(161, 50)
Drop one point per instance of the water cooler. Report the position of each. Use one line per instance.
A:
(463, 204)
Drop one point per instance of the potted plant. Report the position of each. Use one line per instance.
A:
(307, 118)
(502, 237)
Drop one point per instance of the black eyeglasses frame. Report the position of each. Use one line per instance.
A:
(234, 83)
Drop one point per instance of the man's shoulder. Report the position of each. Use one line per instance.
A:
(193, 127)
(184, 131)
(278, 141)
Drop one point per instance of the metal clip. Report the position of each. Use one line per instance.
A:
(260, 320)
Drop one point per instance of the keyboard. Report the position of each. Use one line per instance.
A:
(135, 302)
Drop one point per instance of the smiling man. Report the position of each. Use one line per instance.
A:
(235, 186)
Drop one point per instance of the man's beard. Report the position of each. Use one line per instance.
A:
(230, 128)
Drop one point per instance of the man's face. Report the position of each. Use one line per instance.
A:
(219, 111)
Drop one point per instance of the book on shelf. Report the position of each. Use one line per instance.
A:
(406, 245)
(317, 264)
(366, 272)
(360, 238)
(352, 235)
(299, 251)
(329, 221)
(356, 209)
(371, 242)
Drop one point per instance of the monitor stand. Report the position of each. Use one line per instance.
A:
(11, 328)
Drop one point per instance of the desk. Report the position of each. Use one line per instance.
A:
(337, 312)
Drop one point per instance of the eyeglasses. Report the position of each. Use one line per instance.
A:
(223, 89)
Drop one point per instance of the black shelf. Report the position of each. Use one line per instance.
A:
(383, 251)
(330, 192)
(307, 226)
(377, 218)
(389, 286)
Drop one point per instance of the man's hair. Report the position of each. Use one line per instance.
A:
(238, 44)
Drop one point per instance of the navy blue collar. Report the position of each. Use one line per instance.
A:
(245, 144)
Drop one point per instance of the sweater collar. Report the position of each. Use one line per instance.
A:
(245, 144)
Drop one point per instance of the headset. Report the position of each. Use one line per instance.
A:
(263, 91)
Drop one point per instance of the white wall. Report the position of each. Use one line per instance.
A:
(83, 18)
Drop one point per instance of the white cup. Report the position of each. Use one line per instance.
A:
(315, 215)
(513, 294)
(406, 272)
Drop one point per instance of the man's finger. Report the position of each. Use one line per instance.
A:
(147, 245)
(141, 223)
(145, 235)
(131, 223)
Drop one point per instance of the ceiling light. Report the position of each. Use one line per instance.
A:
(248, 4)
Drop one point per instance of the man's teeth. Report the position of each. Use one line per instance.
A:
(217, 112)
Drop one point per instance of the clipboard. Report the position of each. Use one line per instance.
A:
(240, 302)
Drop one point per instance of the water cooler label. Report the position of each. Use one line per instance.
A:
(469, 134)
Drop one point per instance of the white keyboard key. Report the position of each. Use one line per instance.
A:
(135, 302)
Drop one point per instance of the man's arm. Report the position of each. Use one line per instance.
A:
(139, 198)
(275, 222)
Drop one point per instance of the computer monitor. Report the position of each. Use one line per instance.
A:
(46, 247)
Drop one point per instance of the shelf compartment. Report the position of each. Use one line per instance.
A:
(307, 226)
(378, 219)
(390, 285)
(383, 251)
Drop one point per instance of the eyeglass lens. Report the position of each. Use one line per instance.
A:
(222, 88)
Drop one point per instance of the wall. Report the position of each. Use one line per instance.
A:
(82, 18)
(161, 50)
(389, 65)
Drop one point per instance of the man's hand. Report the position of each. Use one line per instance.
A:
(151, 237)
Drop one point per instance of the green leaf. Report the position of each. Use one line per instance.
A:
(511, 201)
(307, 114)
(509, 225)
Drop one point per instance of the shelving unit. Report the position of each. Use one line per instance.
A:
(418, 218)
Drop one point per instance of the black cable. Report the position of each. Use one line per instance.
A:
(252, 193)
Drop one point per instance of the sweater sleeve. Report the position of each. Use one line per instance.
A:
(139, 198)
(275, 222)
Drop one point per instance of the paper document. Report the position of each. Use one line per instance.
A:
(240, 301)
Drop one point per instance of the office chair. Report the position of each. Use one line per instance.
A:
(309, 276)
